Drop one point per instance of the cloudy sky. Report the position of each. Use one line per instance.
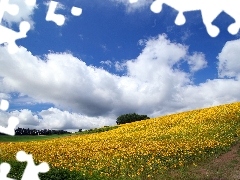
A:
(114, 58)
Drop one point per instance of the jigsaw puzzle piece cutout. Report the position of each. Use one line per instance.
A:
(232, 9)
(12, 124)
(9, 36)
(209, 10)
(180, 19)
(76, 11)
(233, 28)
(156, 6)
(4, 105)
(12, 9)
(31, 171)
(12, 121)
(4, 170)
(180, 6)
(59, 19)
(208, 17)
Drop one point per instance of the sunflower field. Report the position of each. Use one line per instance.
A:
(140, 150)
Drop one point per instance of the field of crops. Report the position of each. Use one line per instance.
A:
(141, 149)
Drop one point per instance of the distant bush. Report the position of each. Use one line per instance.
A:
(128, 118)
(98, 130)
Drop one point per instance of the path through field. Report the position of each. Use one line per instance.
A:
(225, 167)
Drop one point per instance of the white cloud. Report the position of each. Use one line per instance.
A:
(212, 92)
(3, 92)
(58, 119)
(26, 117)
(152, 85)
(62, 79)
(54, 118)
(134, 6)
(197, 62)
(4, 96)
(158, 57)
(59, 5)
(104, 47)
(119, 66)
(229, 61)
(185, 35)
(107, 62)
(4, 118)
(25, 13)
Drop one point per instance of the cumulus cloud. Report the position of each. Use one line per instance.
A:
(229, 61)
(58, 119)
(119, 66)
(26, 117)
(62, 79)
(3, 92)
(84, 95)
(53, 118)
(4, 96)
(197, 62)
(25, 13)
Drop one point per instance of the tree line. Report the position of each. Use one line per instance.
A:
(23, 131)
(123, 119)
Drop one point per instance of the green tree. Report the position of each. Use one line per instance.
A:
(128, 118)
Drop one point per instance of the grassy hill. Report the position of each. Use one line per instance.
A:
(25, 138)
(177, 146)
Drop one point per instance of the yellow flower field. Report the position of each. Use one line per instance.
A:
(142, 148)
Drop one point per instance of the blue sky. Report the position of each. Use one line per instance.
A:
(115, 58)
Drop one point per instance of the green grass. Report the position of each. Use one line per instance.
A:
(212, 171)
(25, 138)
(17, 169)
(227, 168)
(98, 130)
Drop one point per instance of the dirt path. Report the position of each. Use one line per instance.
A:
(225, 167)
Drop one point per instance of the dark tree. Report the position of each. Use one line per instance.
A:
(128, 118)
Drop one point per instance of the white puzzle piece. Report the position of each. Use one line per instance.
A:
(4, 170)
(209, 10)
(12, 121)
(7, 35)
(31, 171)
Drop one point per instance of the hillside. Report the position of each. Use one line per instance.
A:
(145, 149)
